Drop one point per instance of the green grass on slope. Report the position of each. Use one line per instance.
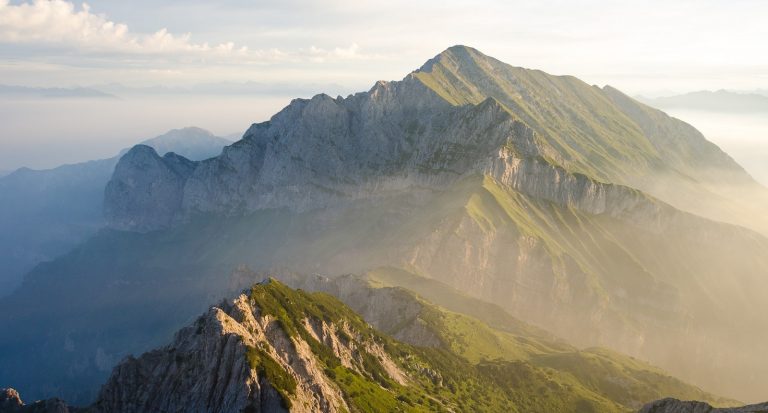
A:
(576, 121)
(623, 378)
(265, 365)
(439, 380)
(449, 298)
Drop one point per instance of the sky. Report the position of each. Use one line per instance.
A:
(301, 48)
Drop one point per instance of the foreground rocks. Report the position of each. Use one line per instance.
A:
(10, 402)
(677, 406)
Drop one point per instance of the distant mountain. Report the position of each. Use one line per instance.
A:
(77, 92)
(572, 207)
(719, 101)
(276, 349)
(47, 212)
(193, 143)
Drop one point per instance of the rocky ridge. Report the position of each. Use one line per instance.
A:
(10, 402)
(677, 406)
(276, 349)
(414, 133)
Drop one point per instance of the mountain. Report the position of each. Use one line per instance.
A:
(45, 213)
(41, 92)
(718, 101)
(273, 348)
(567, 205)
(192, 143)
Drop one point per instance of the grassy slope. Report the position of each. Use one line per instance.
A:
(583, 128)
(459, 385)
(461, 323)
(561, 109)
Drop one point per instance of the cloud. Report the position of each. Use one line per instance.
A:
(58, 22)
(339, 53)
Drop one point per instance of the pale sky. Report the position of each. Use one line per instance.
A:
(638, 46)
(296, 48)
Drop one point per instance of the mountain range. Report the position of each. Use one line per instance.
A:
(43, 92)
(573, 208)
(46, 213)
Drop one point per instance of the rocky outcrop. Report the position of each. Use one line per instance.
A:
(677, 406)
(242, 357)
(10, 402)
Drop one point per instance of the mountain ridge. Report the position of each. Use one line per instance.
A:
(398, 128)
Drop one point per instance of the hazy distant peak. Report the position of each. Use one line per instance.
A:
(189, 132)
(191, 142)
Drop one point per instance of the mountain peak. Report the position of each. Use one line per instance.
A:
(452, 117)
(456, 54)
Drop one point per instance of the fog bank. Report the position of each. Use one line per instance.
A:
(744, 136)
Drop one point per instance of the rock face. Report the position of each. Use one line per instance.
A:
(161, 181)
(677, 406)
(232, 358)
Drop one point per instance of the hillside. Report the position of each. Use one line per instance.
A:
(277, 349)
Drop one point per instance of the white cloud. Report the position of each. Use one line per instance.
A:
(341, 53)
(58, 22)
(61, 23)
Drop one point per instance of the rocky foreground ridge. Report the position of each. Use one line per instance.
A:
(274, 349)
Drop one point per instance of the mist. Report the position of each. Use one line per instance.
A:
(43, 133)
(744, 136)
